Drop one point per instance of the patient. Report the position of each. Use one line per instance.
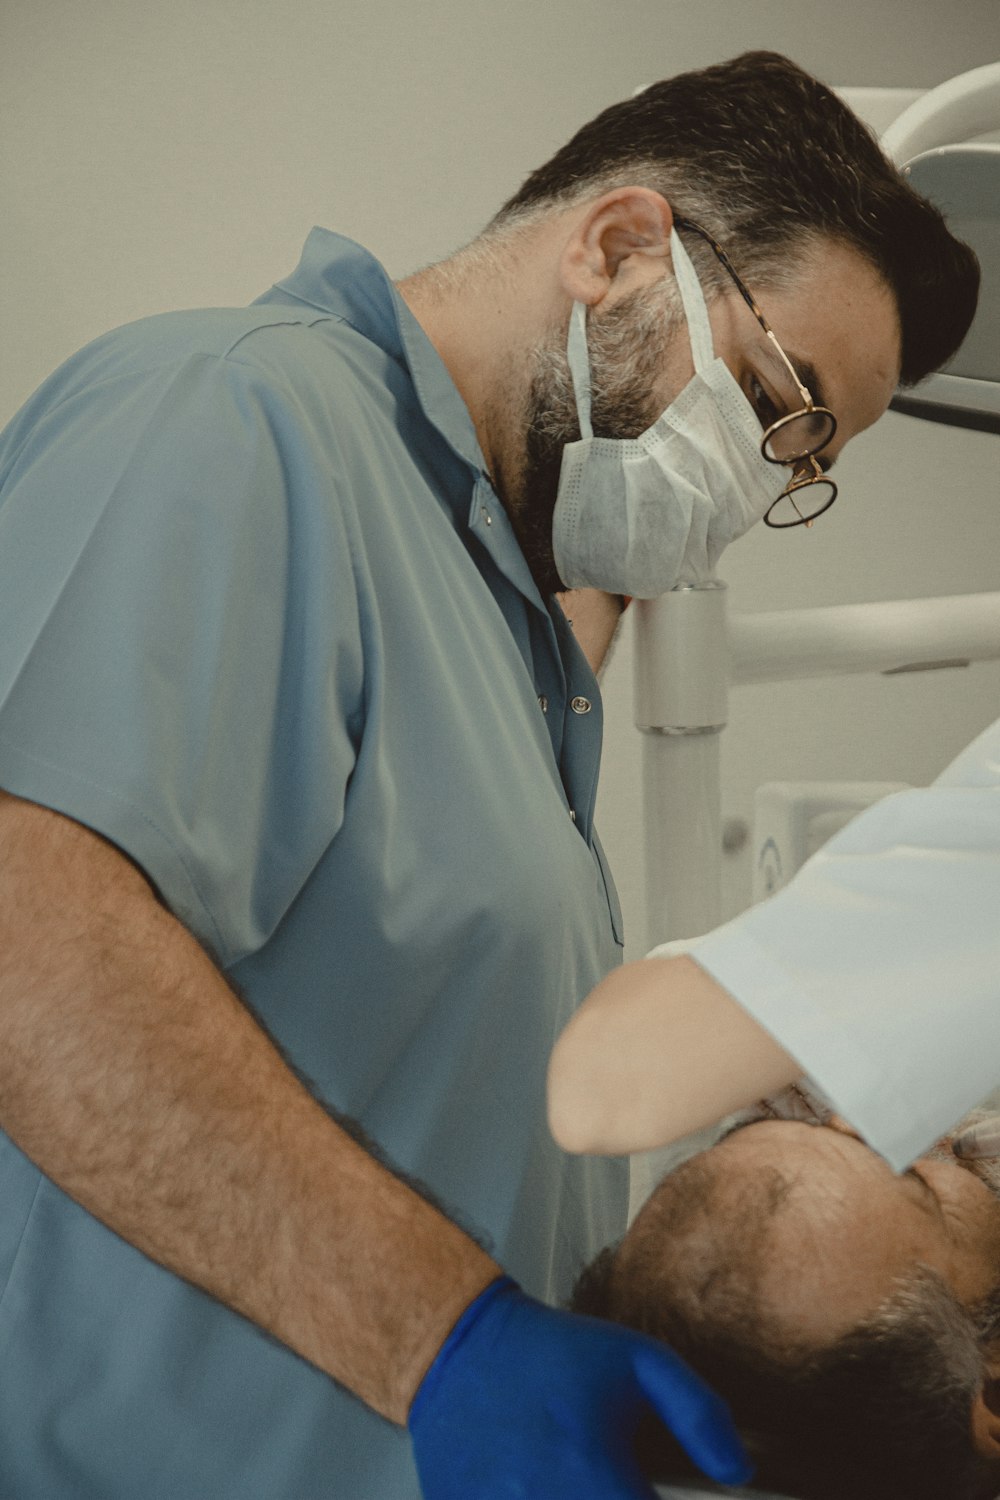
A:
(850, 1316)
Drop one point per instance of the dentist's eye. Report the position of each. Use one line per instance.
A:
(767, 412)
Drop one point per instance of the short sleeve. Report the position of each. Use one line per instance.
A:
(180, 664)
(878, 966)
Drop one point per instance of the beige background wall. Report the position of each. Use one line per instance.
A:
(176, 154)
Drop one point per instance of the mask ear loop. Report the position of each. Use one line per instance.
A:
(693, 302)
(698, 325)
(578, 360)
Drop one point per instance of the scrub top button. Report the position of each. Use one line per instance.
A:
(581, 705)
(543, 703)
(486, 515)
(572, 815)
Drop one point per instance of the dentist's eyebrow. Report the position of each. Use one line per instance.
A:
(806, 371)
(810, 379)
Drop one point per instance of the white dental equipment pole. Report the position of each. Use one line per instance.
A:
(688, 651)
(682, 705)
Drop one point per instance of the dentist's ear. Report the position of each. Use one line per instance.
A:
(618, 245)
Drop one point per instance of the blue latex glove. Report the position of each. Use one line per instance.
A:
(527, 1403)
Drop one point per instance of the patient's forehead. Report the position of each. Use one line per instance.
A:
(846, 1228)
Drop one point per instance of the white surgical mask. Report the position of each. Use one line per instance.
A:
(641, 515)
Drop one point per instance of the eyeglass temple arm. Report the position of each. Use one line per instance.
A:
(802, 390)
(748, 298)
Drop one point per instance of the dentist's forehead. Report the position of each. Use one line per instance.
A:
(840, 318)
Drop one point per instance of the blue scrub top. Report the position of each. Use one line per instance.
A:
(264, 625)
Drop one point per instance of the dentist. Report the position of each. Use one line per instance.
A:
(298, 872)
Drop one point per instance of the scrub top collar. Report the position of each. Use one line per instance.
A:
(342, 278)
(337, 276)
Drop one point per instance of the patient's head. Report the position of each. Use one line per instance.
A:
(850, 1316)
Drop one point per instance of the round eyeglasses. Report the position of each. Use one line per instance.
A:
(794, 439)
(807, 495)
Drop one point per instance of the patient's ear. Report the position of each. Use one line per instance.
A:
(986, 1419)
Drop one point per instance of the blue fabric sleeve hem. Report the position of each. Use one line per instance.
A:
(29, 776)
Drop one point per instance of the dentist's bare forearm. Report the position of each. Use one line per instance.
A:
(656, 1051)
(131, 1074)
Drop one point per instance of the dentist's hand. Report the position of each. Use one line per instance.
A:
(524, 1401)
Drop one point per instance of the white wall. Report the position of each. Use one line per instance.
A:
(176, 154)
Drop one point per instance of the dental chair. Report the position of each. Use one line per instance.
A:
(687, 646)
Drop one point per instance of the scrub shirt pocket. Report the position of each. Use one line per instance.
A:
(611, 892)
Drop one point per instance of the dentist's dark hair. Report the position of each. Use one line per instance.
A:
(768, 159)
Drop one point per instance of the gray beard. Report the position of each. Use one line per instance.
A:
(627, 347)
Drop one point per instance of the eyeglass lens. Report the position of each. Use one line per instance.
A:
(798, 436)
(802, 503)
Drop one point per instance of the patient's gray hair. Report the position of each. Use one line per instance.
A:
(881, 1413)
